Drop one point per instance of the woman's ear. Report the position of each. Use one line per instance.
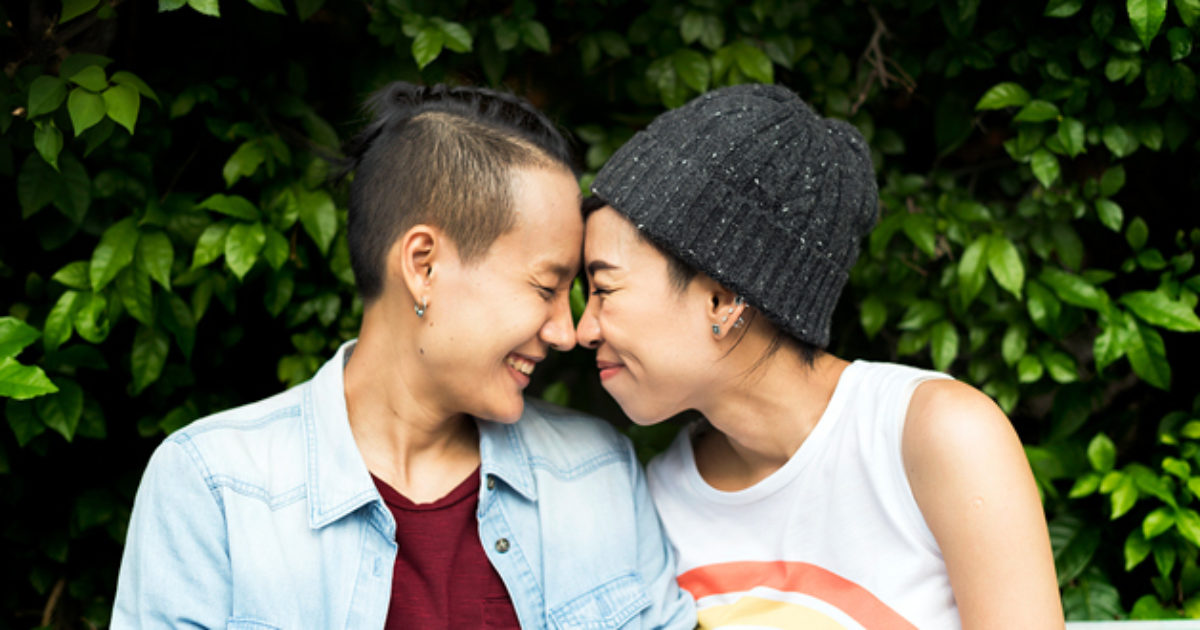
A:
(725, 309)
(412, 258)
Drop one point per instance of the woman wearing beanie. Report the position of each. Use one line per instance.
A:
(816, 492)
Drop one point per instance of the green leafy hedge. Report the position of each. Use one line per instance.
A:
(172, 242)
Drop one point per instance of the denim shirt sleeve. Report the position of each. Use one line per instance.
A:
(175, 570)
(670, 606)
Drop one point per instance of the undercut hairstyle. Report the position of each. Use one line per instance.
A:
(442, 156)
(681, 275)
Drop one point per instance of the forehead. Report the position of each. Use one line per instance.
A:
(612, 237)
(548, 230)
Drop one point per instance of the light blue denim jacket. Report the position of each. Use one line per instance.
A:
(265, 516)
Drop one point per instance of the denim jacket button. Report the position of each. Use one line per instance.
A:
(491, 482)
(502, 545)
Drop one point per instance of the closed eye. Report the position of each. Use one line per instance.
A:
(599, 291)
(547, 292)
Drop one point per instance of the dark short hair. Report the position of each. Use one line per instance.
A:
(440, 155)
(681, 275)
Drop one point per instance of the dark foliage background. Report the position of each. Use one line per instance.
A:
(171, 243)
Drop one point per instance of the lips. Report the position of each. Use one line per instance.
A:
(520, 363)
(608, 369)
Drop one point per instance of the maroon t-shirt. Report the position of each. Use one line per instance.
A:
(442, 577)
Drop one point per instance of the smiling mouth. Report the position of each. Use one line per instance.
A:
(608, 369)
(519, 364)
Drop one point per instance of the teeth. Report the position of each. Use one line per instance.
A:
(520, 365)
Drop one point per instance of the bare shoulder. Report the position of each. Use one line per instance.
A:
(949, 414)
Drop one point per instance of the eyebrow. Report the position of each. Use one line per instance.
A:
(559, 271)
(599, 265)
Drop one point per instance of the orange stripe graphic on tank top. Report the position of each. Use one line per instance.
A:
(795, 577)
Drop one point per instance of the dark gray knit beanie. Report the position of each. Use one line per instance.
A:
(750, 186)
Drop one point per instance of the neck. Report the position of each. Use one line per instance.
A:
(406, 439)
(764, 417)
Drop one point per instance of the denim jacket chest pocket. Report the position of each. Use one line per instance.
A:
(608, 606)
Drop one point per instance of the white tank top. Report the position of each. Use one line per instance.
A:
(833, 539)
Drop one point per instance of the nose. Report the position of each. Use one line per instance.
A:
(588, 329)
(558, 331)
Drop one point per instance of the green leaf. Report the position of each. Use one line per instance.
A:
(276, 250)
(1177, 467)
(132, 80)
(972, 270)
(1102, 453)
(535, 36)
(1157, 308)
(114, 252)
(1137, 233)
(86, 109)
(1062, 8)
(1004, 261)
(427, 45)
(149, 355)
(46, 94)
(557, 393)
(506, 34)
(1124, 497)
(1074, 289)
(72, 9)
(1015, 341)
(1029, 369)
(693, 68)
(872, 315)
(1110, 214)
(319, 217)
(207, 7)
(943, 345)
(48, 141)
(1187, 521)
(1112, 180)
(22, 420)
(1189, 11)
(242, 245)
(1085, 485)
(1137, 548)
(1072, 134)
(62, 410)
(170, 5)
(1045, 167)
(133, 287)
(456, 36)
(1119, 140)
(691, 26)
(155, 256)
(922, 231)
(753, 62)
(90, 77)
(91, 318)
(1037, 111)
(210, 245)
(15, 336)
(270, 6)
(231, 205)
(1003, 95)
(1157, 522)
(921, 314)
(1146, 16)
(244, 161)
(122, 102)
(1147, 354)
(308, 8)
(1074, 543)
(60, 321)
(1061, 367)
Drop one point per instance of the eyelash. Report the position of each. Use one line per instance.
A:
(547, 292)
(600, 292)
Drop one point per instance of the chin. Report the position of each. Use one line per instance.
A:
(507, 413)
(639, 415)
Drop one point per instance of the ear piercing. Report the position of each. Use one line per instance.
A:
(420, 308)
(716, 329)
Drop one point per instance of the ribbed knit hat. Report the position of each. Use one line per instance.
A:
(750, 186)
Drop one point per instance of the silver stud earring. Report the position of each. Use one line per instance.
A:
(420, 308)
(716, 329)
(739, 323)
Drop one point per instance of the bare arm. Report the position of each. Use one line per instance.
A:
(973, 484)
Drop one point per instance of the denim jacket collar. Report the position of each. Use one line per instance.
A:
(338, 480)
